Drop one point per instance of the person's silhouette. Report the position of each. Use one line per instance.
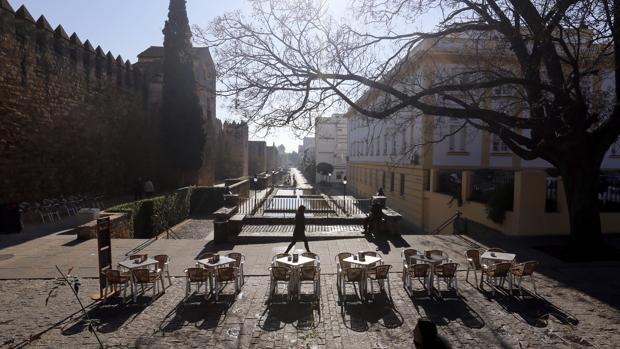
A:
(300, 229)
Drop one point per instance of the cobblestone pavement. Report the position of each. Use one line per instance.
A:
(195, 228)
(473, 319)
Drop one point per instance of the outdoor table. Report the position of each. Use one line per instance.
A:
(223, 260)
(295, 266)
(131, 265)
(432, 262)
(498, 257)
(368, 261)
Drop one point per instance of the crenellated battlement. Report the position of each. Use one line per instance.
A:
(19, 29)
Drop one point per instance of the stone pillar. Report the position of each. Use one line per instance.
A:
(466, 180)
(529, 201)
(434, 179)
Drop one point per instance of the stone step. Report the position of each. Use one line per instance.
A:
(251, 234)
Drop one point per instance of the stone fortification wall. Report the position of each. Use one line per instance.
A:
(234, 150)
(257, 157)
(74, 119)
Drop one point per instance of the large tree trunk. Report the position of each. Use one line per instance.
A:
(581, 180)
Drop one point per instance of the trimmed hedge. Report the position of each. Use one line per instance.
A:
(206, 200)
(150, 216)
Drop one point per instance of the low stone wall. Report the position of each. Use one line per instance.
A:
(239, 187)
(120, 227)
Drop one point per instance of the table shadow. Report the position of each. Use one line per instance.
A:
(303, 314)
(447, 308)
(197, 311)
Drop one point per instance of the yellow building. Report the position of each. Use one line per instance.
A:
(430, 167)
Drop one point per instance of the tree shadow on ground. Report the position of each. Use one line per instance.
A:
(197, 311)
(213, 247)
(447, 308)
(303, 314)
(533, 309)
(359, 316)
(111, 315)
(582, 276)
(383, 242)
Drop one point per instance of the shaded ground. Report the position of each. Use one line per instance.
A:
(472, 319)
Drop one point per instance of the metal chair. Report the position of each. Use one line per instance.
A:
(196, 276)
(407, 262)
(238, 263)
(419, 271)
(521, 270)
(224, 276)
(162, 266)
(317, 260)
(340, 266)
(274, 263)
(351, 276)
(495, 272)
(431, 253)
(380, 274)
(311, 274)
(473, 263)
(116, 281)
(145, 277)
(447, 272)
(279, 274)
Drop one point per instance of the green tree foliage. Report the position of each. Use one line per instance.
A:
(324, 168)
(183, 131)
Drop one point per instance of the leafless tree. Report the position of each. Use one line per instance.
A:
(290, 61)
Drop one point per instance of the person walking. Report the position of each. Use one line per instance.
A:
(149, 188)
(138, 189)
(300, 229)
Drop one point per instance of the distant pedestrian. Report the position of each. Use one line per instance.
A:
(149, 188)
(299, 233)
(138, 189)
(380, 192)
(425, 336)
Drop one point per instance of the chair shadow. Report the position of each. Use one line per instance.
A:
(534, 309)
(303, 314)
(197, 311)
(111, 315)
(447, 308)
(377, 310)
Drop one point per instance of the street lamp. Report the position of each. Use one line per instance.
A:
(344, 196)
(255, 185)
(329, 178)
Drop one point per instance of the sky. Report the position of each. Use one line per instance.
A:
(127, 27)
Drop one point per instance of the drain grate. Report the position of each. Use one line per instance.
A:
(4, 257)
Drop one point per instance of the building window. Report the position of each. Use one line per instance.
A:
(497, 145)
(615, 148)
(385, 145)
(393, 145)
(383, 180)
(457, 141)
(403, 134)
(378, 143)
(372, 149)
(402, 184)
(391, 181)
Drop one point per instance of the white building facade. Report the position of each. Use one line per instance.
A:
(412, 155)
(331, 144)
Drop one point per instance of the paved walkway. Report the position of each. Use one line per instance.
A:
(472, 319)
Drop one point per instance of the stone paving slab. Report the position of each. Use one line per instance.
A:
(472, 319)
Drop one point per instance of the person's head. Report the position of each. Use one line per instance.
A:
(380, 191)
(424, 334)
(301, 209)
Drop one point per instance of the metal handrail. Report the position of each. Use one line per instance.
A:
(444, 225)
